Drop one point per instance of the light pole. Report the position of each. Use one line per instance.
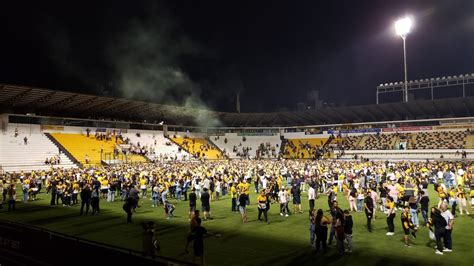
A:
(403, 26)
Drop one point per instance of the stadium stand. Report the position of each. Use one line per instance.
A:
(438, 140)
(156, 145)
(91, 151)
(198, 147)
(351, 142)
(15, 155)
(303, 148)
(379, 142)
(235, 146)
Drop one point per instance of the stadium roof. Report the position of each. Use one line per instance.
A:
(22, 99)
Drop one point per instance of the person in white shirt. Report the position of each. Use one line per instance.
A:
(448, 216)
(264, 181)
(283, 197)
(311, 197)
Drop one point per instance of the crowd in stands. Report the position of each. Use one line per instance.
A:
(305, 150)
(264, 150)
(54, 160)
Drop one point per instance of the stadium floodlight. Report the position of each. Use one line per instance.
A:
(403, 27)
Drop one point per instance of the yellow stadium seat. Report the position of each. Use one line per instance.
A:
(80, 145)
(198, 147)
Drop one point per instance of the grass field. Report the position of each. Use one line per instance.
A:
(283, 241)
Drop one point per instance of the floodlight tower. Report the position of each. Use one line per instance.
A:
(402, 27)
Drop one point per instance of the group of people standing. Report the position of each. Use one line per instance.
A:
(382, 188)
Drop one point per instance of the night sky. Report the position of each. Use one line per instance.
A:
(201, 53)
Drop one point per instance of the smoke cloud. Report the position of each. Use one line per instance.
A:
(146, 59)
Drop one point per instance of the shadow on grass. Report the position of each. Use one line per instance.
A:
(236, 246)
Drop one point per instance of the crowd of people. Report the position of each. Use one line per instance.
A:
(371, 187)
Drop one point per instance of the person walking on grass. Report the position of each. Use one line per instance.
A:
(296, 193)
(449, 218)
(439, 224)
(192, 203)
(205, 204)
(169, 209)
(262, 206)
(424, 202)
(233, 196)
(128, 207)
(243, 207)
(198, 235)
(407, 225)
(462, 202)
(150, 244)
(283, 198)
(390, 211)
(312, 227)
(369, 210)
(311, 196)
(348, 224)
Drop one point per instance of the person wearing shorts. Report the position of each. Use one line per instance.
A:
(192, 202)
(243, 207)
(205, 204)
(407, 225)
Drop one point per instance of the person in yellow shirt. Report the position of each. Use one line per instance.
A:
(104, 187)
(262, 206)
(390, 211)
(143, 187)
(461, 196)
(407, 225)
(233, 196)
(472, 197)
(244, 187)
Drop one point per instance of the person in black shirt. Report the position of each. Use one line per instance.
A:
(205, 202)
(383, 195)
(336, 213)
(424, 202)
(242, 206)
(369, 210)
(439, 224)
(192, 202)
(198, 234)
(348, 224)
(128, 206)
(86, 194)
(53, 189)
